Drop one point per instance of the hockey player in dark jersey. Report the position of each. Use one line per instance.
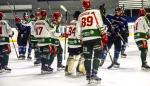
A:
(23, 27)
(124, 34)
(115, 27)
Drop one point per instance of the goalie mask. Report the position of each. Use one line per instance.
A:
(57, 16)
(86, 4)
(1, 15)
(142, 12)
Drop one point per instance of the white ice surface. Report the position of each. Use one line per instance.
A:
(24, 73)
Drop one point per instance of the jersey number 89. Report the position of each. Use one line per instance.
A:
(87, 21)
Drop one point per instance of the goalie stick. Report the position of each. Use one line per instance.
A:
(66, 20)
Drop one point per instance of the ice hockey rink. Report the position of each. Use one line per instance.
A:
(24, 73)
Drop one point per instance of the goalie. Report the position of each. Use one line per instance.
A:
(74, 49)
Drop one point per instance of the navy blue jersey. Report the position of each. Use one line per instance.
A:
(115, 24)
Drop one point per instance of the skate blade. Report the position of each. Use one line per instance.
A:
(145, 69)
(59, 69)
(46, 72)
(94, 82)
(7, 71)
(37, 64)
(123, 56)
(29, 59)
(116, 66)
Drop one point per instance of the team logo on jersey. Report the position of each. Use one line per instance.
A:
(75, 41)
(91, 32)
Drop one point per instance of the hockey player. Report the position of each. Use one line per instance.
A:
(5, 49)
(74, 47)
(124, 33)
(141, 35)
(34, 40)
(43, 35)
(91, 24)
(23, 27)
(56, 48)
(115, 27)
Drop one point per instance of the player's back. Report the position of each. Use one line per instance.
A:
(41, 29)
(3, 29)
(91, 23)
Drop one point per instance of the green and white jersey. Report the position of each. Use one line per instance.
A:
(91, 24)
(55, 34)
(73, 41)
(5, 31)
(43, 33)
(142, 29)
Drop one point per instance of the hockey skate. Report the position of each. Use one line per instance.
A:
(123, 55)
(21, 57)
(6, 69)
(46, 70)
(115, 65)
(146, 67)
(29, 58)
(37, 62)
(60, 67)
(93, 79)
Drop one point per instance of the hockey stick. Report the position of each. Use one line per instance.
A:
(66, 20)
(49, 8)
(11, 37)
(106, 45)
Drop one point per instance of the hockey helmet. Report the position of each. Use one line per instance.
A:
(86, 4)
(25, 16)
(57, 16)
(43, 13)
(1, 15)
(76, 14)
(142, 12)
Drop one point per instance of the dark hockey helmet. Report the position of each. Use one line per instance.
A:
(76, 14)
(142, 12)
(1, 15)
(86, 4)
(118, 9)
(25, 16)
(56, 16)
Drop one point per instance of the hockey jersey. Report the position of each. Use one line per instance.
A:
(91, 24)
(73, 41)
(142, 29)
(43, 33)
(5, 31)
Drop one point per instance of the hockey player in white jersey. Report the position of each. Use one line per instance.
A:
(5, 49)
(91, 24)
(74, 48)
(56, 49)
(141, 35)
(43, 35)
